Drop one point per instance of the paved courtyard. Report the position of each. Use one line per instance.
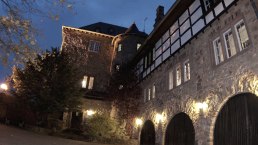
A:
(14, 136)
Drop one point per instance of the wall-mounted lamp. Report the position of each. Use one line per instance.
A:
(4, 87)
(159, 118)
(138, 122)
(202, 107)
(90, 112)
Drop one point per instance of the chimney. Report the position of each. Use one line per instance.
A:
(159, 15)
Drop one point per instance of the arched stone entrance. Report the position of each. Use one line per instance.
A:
(147, 134)
(237, 122)
(180, 131)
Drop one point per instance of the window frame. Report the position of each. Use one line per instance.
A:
(238, 36)
(170, 79)
(187, 73)
(226, 46)
(178, 75)
(216, 53)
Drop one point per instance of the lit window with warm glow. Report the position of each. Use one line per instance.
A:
(84, 82)
(178, 76)
(94, 46)
(242, 35)
(149, 94)
(119, 47)
(170, 80)
(218, 51)
(138, 45)
(91, 81)
(187, 71)
(153, 91)
(229, 43)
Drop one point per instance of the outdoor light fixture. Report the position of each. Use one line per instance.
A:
(4, 87)
(138, 122)
(159, 118)
(202, 106)
(90, 112)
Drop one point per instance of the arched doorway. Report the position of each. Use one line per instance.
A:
(237, 122)
(180, 131)
(147, 134)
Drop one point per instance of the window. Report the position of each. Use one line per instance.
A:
(84, 82)
(149, 94)
(91, 83)
(242, 35)
(187, 73)
(119, 47)
(153, 91)
(170, 80)
(178, 76)
(229, 43)
(94, 46)
(117, 67)
(207, 4)
(138, 45)
(218, 51)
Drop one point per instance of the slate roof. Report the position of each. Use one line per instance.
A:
(105, 28)
(113, 30)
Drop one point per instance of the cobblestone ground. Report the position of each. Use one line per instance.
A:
(14, 136)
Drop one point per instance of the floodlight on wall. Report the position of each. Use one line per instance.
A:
(90, 112)
(4, 87)
(159, 118)
(138, 122)
(202, 107)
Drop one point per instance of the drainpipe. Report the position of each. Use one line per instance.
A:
(254, 7)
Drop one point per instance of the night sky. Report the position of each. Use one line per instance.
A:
(85, 12)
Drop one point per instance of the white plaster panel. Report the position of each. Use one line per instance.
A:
(183, 17)
(218, 9)
(185, 26)
(194, 6)
(209, 17)
(175, 36)
(186, 37)
(198, 26)
(175, 46)
(173, 27)
(228, 2)
(196, 15)
(158, 61)
(166, 54)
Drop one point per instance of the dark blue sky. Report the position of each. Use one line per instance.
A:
(85, 12)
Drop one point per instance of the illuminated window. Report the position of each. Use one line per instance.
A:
(242, 35)
(229, 43)
(149, 94)
(94, 46)
(84, 82)
(170, 79)
(91, 81)
(178, 76)
(218, 51)
(119, 47)
(153, 91)
(187, 73)
(144, 95)
(138, 45)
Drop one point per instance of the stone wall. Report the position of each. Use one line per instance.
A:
(209, 83)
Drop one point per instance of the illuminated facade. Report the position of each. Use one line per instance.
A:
(201, 59)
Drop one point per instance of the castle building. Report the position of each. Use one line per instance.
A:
(98, 50)
(197, 69)
(199, 74)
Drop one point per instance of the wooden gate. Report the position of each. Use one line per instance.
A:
(237, 122)
(180, 131)
(147, 134)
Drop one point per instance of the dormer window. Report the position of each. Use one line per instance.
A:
(138, 45)
(119, 48)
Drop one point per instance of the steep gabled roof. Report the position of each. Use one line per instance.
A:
(105, 28)
(134, 30)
